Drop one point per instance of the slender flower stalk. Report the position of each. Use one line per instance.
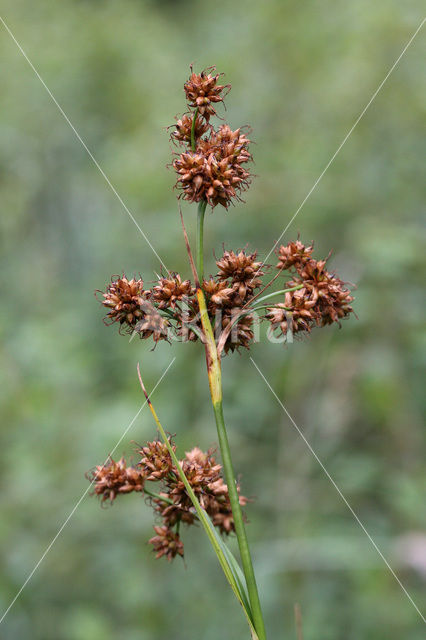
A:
(215, 382)
(194, 122)
(200, 239)
(278, 293)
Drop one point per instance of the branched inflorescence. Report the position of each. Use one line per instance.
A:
(211, 169)
(170, 308)
(171, 503)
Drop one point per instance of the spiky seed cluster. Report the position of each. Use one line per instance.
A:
(166, 543)
(243, 271)
(123, 298)
(211, 169)
(169, 291)
(239, 274)
(129, 305)
(114, 478)
(241, 334)
(331, 298)
(202, 91)
(152, 324)
(155, 462)
(183, 127)
(205, 477)
(173, 505)
(292, 254)
(323, 298)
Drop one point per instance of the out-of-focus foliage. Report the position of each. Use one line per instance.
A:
(301, 73)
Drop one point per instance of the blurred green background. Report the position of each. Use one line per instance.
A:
(301, 73)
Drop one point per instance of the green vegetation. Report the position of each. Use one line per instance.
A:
(301, 73)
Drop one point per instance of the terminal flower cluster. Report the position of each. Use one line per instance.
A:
(210, 166)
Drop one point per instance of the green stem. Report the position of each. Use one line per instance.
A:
(240, 529)
(215, 381)
(193, 143)
(276, 293)
(157, 496)
(268, 306)
(200, 240)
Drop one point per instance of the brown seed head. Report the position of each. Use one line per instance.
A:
(323, 299)
(169, 291)
(190, 169)
(241, 334)
(325, 290)
(296, 314)
(166, 543)
(183, 127)
(229, 144)
(214, 172)
(243, 271)
(205, 476)
(203, 91)
(218, 294)
(123, 298)
(156, 463)
(293, 254)
(115, 477)
(152, 324)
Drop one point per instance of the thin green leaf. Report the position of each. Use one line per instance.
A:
(227, 561)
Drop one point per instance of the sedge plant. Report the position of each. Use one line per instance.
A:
(219, 313)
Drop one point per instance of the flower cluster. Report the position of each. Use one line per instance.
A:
(129, 304)
(320, 299)
(114, 478)
(317, 297)
(202, 91)
(210, 168)
(170, 307)
(171, 503)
